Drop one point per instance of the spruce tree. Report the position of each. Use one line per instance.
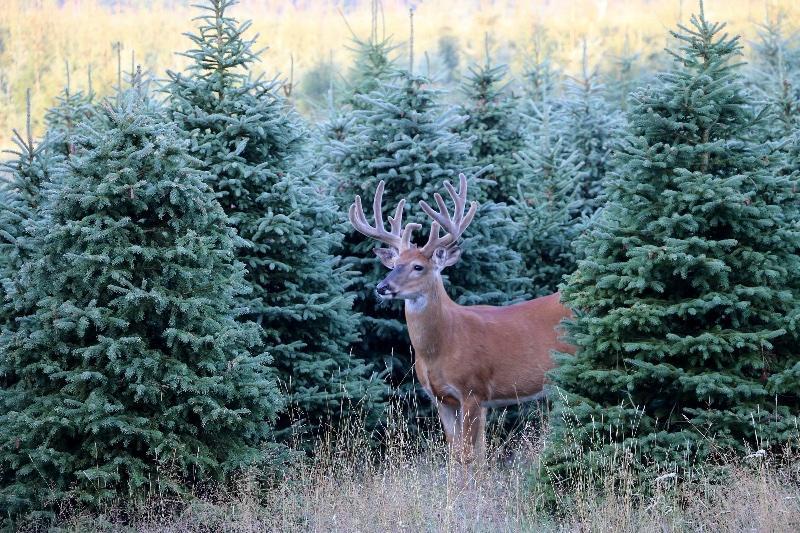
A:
(591, 128)
(134, 376)
(30, 172)
(373, 65)
(406, 138)
(450, 56)
(72, 107)
(775, 73)
(686, 304)
(495, 127)
(547, 204)
(625, 77)
(252, 144)
(542, 78)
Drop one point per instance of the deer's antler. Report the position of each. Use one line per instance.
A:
(398, 238)
(454, 226)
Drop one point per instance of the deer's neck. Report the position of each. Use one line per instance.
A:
(427, 317)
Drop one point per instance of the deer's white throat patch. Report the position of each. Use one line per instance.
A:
(415, 305)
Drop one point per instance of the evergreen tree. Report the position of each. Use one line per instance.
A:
(373, 65)
(686, 304)
(547, 203)
(542, 77)
(495, 127)
(407, 139)
(30, 172)
(776, 76)
(72, 106)
(251, 142)
(625, 76)
(591, 127)
(450, 56)
(134, 375)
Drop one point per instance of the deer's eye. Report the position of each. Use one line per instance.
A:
(418, 267)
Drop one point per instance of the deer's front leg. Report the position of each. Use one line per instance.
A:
(449, 416)
(473, 437)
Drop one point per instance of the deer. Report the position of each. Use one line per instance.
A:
(466, 358)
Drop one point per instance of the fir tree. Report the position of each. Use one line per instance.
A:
(686, 317)
(251, 142)
(407, 139)
(134, 375)
(494, 126)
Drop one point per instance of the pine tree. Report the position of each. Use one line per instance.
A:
(548, 201)
(495, 127)
(134, 376)
(406, 138)
(590, 127)
(686, 304)
(252, 144)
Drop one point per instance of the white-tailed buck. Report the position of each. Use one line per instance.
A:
(467, 358)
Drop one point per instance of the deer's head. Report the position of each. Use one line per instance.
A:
(414, 271)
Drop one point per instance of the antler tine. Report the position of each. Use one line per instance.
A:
(454, 225)
(376, 207)
(398, 238)
(396, 221)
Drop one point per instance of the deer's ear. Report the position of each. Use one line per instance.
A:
(444, 257)
(388, 256)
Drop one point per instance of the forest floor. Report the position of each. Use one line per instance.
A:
(410, 486)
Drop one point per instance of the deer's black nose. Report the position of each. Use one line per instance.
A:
(383, 289)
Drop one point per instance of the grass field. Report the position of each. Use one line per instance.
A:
(412, 487)
(38, 37)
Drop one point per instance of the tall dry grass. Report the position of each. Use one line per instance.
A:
(38, 36)
(411, 486)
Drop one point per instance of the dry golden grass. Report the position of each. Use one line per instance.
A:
(38, 36)
(412, 487)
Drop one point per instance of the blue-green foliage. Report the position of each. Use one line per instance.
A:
(134, 376)
(686, 303)
(252, 143)
(591, 127)
(493, 127)
(30, 172)
(547, 204)
(71, 108)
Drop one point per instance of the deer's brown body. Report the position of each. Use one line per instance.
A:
(467, 358)
(498, 355)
